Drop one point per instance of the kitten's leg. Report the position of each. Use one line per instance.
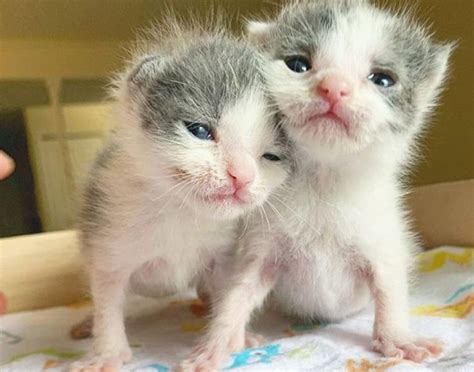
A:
(392, 336)
(142, 282)
(213, 282)
(214, 278)
(247, 289)
(110, 346)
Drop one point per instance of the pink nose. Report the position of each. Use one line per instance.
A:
(241, 176)
(333, 88)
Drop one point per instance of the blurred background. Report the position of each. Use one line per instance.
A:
(56, 57)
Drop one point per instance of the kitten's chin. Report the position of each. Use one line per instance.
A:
(326, 137)
(223, 211)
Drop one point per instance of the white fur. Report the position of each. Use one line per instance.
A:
(337, 235)
(162, 232)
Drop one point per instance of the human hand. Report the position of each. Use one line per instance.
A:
(7, 165)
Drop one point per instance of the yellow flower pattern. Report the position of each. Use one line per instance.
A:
(432, 261)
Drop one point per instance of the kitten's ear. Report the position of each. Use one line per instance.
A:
(145, 70)
(259, 32)
(435, 73)
(439, 63)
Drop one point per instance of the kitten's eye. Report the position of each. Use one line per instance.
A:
(383, 79)
(271, 157)
(298, 64)
(198, 130)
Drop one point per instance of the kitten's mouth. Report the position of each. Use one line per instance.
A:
(228, 197)
(328, 116)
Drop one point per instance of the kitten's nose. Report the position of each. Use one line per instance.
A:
(333, 88)
(241, 174)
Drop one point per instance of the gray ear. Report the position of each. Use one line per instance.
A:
(440, 62)
(259, 32)
(145, 70)
(437, 70)
(434, 73)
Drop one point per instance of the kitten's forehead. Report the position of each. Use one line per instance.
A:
(200, 82)
(250, 123)
(343, 32)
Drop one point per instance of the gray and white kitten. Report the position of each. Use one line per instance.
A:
(355, 85)
(195, 146)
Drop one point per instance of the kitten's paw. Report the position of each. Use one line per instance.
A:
(82, 330)
(239, 342)
(203, 360)
(209, 356)
(416, 351)
(197, 366)
(102, 362)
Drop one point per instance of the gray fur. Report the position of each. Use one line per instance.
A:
(92, 216)
(198, 84)
(300, 27)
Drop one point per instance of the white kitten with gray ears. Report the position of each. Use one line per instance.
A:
(354, 85)
(195, 147)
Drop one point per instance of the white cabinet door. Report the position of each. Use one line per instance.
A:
(56, 200)
(87, 126)
(83, 151)
(60, 203)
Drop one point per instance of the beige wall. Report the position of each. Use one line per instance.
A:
(36, 59)
(448, 148)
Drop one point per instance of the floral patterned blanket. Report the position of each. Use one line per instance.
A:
(162, 333)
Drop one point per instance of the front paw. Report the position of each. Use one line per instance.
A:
(206, 358)
(102, 362)
(210, 356)
(416, 350)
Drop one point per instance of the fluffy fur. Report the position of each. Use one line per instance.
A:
(161, 205)
(337, 236)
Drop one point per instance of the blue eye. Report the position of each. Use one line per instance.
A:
(271, 157)
(198, 130)
(298, 64)
(383, 79)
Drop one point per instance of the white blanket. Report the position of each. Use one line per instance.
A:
(441, 306)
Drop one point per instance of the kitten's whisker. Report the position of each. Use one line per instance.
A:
(181, 183)
(275, 210)
(246, 219)
(261, 218)
(296, 215)
(266, 218)
(193, 185)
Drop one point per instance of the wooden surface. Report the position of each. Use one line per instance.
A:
(43, 270)
(444, 213)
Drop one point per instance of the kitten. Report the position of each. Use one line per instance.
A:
(354, 85)
(195, 147)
